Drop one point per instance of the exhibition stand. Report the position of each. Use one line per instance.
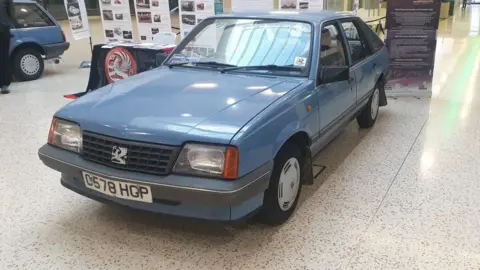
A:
(411, 39)
(113, 62)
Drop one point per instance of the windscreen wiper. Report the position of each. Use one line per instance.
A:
(207, 63)
(263, 67)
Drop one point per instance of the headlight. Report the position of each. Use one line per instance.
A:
(66, 135)
(208, 160)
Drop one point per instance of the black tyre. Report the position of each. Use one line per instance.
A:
(369, 114)
(281, 197)
(28, 65)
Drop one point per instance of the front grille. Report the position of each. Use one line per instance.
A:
(140, 157)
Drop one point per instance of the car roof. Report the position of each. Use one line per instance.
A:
(308, 16)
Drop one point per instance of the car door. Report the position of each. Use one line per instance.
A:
(337, 98)
(379, 60)
(360, 52)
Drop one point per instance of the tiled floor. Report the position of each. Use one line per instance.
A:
(403, 195)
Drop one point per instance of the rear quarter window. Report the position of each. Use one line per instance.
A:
(29, 15)
(372, 37)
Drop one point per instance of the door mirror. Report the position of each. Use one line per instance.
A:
(334, 74)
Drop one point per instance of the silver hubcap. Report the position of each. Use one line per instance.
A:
(375, 101)
(30, 64)
(288, 184)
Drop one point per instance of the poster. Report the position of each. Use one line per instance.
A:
(252, 5)
(116, 20)
(193, 12)
(301, 4)
(153, 17)
(411, 39)
(77, 16)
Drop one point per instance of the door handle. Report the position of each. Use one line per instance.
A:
(350, 79)
(374, 65)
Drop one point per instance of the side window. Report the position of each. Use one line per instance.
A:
(372, 37)
(28, 15)
(332, 52)
(359, 49)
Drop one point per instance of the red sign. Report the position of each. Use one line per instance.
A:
(119, 64)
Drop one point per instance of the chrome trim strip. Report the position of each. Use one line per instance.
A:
(156, 184)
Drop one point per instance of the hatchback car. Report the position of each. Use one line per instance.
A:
(228, 126)
(37, 36)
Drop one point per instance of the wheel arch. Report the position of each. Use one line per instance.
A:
(300, 138)
(303, 141)
(27, 45)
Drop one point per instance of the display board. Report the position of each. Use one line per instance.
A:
(252, 5)
(153, 16)
(77, 16)
(300, 4)
(192, 12)
(411, 39)
(116, 20)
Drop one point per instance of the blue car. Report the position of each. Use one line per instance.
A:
(37, 36)
(227, 127)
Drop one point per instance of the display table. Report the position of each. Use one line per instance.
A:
(117, 61)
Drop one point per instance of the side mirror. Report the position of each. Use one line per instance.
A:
(333, 74)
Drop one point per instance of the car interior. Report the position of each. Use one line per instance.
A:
(331, 49)
(358, 48)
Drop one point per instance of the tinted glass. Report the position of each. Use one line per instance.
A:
(359, 49)
(332, 52)
(249, 42)
(372, 37)
(29, 15)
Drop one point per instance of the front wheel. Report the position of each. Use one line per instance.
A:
(28, 65)
(369, 114)
(281, 197)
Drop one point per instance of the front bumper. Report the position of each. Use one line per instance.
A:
(173, 194)
(55, 50)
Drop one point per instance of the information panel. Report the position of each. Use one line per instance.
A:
(77, 16)
(300, 4)
(411, 39)
(153, 17)
(116, 20)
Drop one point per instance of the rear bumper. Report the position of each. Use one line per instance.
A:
(55, 50)
(173, 194)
